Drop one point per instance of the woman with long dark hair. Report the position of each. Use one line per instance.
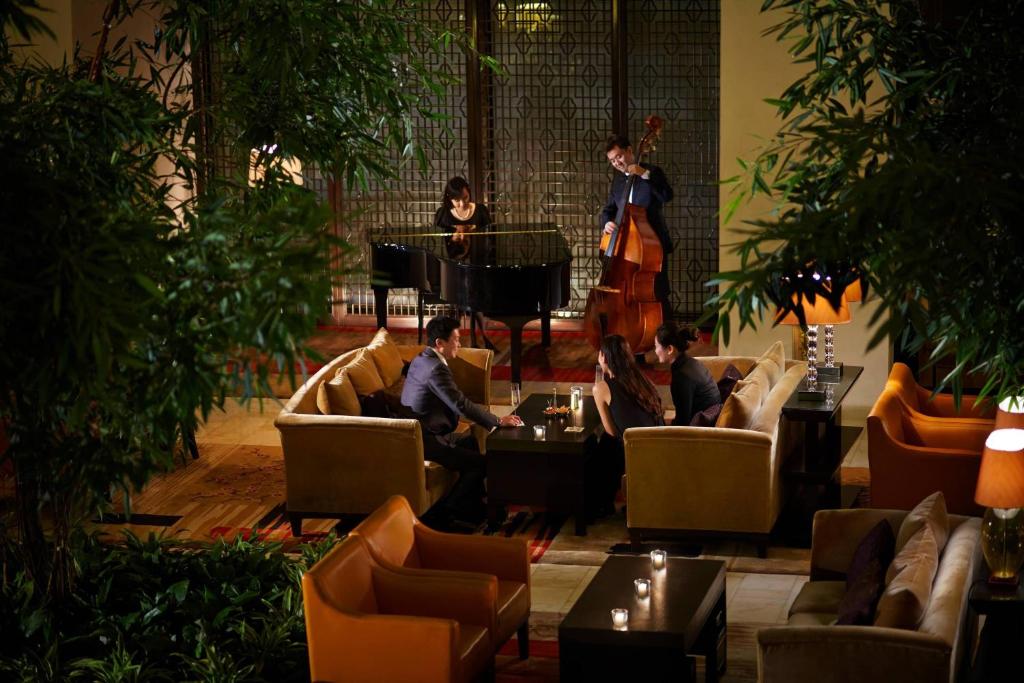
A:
(625, 398)
(461, 217)
(693, 387)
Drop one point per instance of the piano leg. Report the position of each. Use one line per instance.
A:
(515, 327)
(380, 304)
(545, 328)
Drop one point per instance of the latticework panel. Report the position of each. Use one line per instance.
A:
(413, 197)
(551, 115)
(673, 71)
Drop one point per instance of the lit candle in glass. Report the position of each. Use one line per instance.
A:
(643, 588)
(658, 558)
(539, 431)
(576, 398)
(620, 617)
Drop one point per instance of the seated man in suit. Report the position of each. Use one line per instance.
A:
(431, 394)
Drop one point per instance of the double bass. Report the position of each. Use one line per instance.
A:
(623, 302)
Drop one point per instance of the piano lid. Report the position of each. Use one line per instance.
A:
(499, 245)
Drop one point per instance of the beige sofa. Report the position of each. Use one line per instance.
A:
(712, 482)
(338, 465)
(810, 649)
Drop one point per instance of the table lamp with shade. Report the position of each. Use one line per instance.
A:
(820, 312)
(1001, 490)
(1010, 414)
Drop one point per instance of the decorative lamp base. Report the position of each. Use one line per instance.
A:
(817, 395)
(827, 373)
(1004, 582)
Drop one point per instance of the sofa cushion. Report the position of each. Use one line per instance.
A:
(819, 596)
(865, 578)
(906, 597)
(775, 362)
(386, 357)
(811, 619)
(363, 373)
(727, 382)
(745, 400)
(929, 512)
(775, 355)
(338, 397)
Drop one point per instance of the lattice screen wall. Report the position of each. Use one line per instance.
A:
(543, 132)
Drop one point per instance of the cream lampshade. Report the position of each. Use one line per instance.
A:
(1001, 489)
(818, 313)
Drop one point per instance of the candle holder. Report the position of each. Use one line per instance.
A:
(576, 398)
(539, 432)
(620, 618)
(643, 588)
(658, 559)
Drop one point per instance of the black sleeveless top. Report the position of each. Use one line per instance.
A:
(626, 412)
(474, 249)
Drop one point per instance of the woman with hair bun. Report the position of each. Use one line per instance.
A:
(693, 387)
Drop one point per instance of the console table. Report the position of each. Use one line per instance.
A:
(825, 441)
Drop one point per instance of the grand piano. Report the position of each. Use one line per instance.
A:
(512, 273)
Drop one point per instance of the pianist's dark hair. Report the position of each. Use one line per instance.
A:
(440, 327)
(454, 189)
(614, 141)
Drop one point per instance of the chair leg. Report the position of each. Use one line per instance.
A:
(762, 549)
(296, 523)
(523, 637)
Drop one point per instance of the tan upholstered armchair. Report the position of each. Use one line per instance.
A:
(337, 465)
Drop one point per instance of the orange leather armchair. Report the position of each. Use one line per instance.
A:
(365, 623)
(911, 457)
(398, 540)
(921, 400)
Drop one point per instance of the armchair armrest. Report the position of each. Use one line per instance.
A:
(472, 372)
(836, 534)
(902, 475)
(506, 558)
(830, 653)
(466, 598)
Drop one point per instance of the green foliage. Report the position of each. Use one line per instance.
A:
(137, 286)
(155, 610)
(899, 157)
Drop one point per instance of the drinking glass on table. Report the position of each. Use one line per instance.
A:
(516, 396)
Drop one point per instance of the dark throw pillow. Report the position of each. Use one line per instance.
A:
(865, 578)
(383, 404)
(728, 381)
(707, 417)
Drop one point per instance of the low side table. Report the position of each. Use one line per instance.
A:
(684, 617)
(1002, 638)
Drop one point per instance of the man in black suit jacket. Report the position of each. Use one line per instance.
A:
(433, 397)
(651, 190)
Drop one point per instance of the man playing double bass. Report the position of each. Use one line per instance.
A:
(651, 191)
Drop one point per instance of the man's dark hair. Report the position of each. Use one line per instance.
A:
(440, 327)
(614, 141)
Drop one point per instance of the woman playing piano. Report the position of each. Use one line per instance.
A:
(460, 216)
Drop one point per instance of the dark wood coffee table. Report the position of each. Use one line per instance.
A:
(522, 470)
(683, 618)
